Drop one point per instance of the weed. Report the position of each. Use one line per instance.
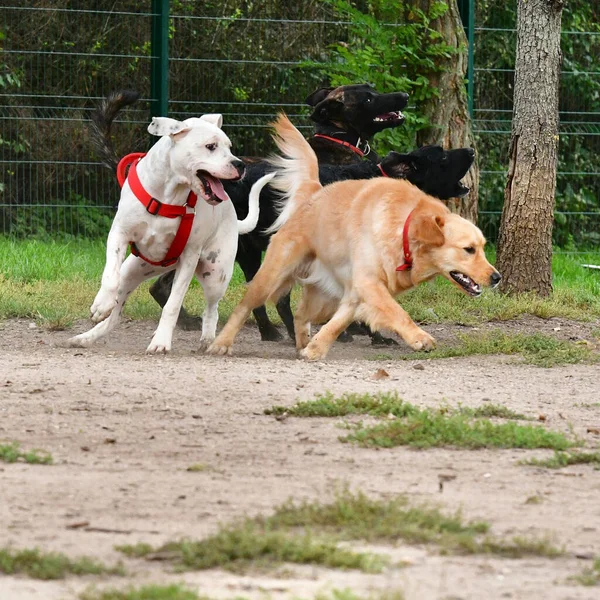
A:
(590, 576)
(537, 349)
(489, 410)
(534, 499)
(198, 468)
(565, 459)
(147, 592)
(50, 565)
(12, 452)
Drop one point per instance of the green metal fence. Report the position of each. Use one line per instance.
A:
(242, 59)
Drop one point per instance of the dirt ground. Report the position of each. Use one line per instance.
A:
(123, 428)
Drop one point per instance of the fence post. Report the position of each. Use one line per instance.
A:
(467, 14)
(159, 75)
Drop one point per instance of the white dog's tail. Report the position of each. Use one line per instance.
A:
(297, 171)
(249, 223)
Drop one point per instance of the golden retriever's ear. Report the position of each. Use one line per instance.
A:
(427, 229)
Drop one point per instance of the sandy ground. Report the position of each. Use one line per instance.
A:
(123, 428)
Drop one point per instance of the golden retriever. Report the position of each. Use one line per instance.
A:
(344, 243)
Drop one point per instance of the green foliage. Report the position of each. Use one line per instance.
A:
(50, 565)
(391, 46)
(11, 452)
(564, 459)
(147, 592)
(590, 576)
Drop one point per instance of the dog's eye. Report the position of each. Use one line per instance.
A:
(211, 147)
(470, 250)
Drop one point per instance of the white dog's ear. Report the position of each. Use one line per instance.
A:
(215, 119)
(165, 126)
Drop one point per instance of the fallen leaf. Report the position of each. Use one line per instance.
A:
(78, 525)
(594, 430)
(542, 418)
(380, 374)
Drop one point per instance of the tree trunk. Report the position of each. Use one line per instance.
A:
(525, 241)
(449, 113)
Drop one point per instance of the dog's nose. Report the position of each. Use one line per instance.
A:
(240, 167)
(495, 278)
(472, 151)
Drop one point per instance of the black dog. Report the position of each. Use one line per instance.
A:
(346, 118)
(434, 170)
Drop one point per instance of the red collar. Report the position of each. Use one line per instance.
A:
(383, 173)
(408, 262)
(354, 149)
(157, 208)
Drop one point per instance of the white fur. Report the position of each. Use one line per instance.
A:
(168, 172)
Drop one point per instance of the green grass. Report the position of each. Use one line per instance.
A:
(590, 576)
(50, 565)
(12, 452)
(247, 545)
(382, 404)
(55, 283)
(290, 534)
(427, 427)
(536, 349)
(565, 459)
(147, 592)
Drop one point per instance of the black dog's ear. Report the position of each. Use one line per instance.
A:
(327, 109)
(398, 165)
(318, 96)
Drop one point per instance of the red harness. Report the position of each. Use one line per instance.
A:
(157, 208)
(408, 263)
(345, 144)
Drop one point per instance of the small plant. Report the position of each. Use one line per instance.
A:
(12, 452)
(50, 565)
(147, 592)
(565, 459)
(590, 576)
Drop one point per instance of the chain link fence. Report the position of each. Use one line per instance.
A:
(245, 60)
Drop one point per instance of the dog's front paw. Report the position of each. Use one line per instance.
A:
(312, 352)
(104, 303)
(79, 341)
(205, 343)
(160, 344)
(218, 348)
(421, 340)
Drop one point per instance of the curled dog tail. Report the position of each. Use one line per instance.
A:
(249, 223)
(297, 170)
(102, 119)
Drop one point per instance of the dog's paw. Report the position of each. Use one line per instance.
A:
(422, 341)
(104, 303)
(270, 334)
(160, 344)
(219, 349)
(312, 352)
(79, 341)
(378, 340)
(205, 343)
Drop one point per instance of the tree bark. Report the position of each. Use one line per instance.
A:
(525, 240)
(448, 113)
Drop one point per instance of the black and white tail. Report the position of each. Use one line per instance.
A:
(102, 119)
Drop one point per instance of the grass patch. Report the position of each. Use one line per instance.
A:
(565, 459)
(55, 282)
(50, 565)
(308, 532)
(147, 592)
(249, 544)
(590, 576)
(536, 349)
(427, 427)
(381, 404)
(11, 453)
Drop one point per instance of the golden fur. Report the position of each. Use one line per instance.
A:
(343, 243)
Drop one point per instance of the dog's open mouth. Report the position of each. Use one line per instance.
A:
(463, 190)
(466, 283)
(389, 117)
(212, 188)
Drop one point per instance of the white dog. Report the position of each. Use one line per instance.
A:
(191, 156)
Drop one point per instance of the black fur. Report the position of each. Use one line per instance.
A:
(102, 119)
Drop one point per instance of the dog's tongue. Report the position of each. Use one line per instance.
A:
(217, 187)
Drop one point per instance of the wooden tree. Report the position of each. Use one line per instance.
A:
(525, 241)
(449, 113)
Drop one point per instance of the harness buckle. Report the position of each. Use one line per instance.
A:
(154, 206)
(193, 208)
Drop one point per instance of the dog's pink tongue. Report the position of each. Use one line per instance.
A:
(217, 187)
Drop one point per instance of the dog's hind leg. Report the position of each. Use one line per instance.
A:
(285, 312)
(283, 257)
(133, 272)
(160, 290)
